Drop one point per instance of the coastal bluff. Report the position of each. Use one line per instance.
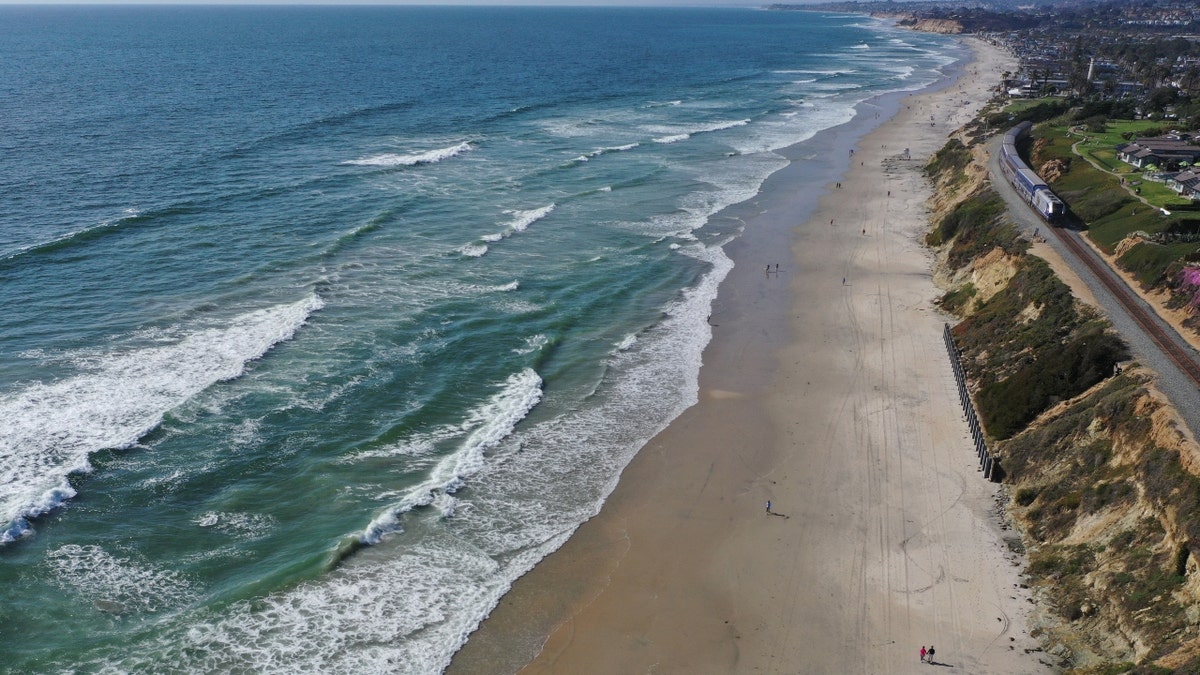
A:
(1101, 477)
(902, 18)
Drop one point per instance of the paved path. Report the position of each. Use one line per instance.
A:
(1125, 186)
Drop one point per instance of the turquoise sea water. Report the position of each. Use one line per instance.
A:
(322, 325)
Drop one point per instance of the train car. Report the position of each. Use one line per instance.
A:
(1025, 180)
(1046, 203)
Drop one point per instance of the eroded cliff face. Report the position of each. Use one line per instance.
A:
(1103, 483)
(944, 26)
(1108, 510)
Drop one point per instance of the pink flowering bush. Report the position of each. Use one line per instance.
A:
(1189, 282)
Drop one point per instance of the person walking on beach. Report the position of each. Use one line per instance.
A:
(923, 653)
(768, 506)
(930, 654)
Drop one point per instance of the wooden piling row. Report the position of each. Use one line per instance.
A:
(988, 464)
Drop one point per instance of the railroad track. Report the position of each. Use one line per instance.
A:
(1163, 338)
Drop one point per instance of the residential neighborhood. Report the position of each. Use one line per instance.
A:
(1143, 57)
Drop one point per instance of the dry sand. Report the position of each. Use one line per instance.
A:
(837, 403)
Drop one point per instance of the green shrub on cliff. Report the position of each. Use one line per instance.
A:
(975, 226)
(1149, 261)
(949, 162)
(956, 300)
(1028, 347)
(1041, 111)
(1052, 373)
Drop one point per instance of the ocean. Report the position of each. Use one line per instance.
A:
(322, 325)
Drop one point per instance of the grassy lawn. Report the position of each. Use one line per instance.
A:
(1106, 158)
(1059, 146)
(1132, 216)
(1112, 135)
(1159, 194)
(1102, 149)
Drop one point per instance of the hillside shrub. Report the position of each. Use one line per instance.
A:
(977, 226)
(1149, 262)
(1057, 372)
(956, 300)
(950, 160)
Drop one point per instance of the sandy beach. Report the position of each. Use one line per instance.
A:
(826, 391)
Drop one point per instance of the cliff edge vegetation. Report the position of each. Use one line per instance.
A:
(1102, 481)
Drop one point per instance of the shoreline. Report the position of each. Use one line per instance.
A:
(826, 390)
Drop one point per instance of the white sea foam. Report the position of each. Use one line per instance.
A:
(419, 446)
(592, 154)
(835, 86)
(523, 219)
(533, 344)
(346, 622)
(114, 399)
(861, 46)
(116, 585)
(673, 138)
(676, 134)
(483, 428)
(826, 71)
(615, 148)
(246, 433)
(107, 224)
(412, 159)
(519, 222)
(473, 250)
(627, 342)
(240, 524)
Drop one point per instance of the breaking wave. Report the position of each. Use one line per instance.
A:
(413, 159)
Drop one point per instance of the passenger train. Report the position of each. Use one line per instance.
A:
(1026, 182)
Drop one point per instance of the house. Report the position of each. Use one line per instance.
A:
(1187, 184)
(1159, 151)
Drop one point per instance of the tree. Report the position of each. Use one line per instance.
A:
(1160, 98)
(1190, 80)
